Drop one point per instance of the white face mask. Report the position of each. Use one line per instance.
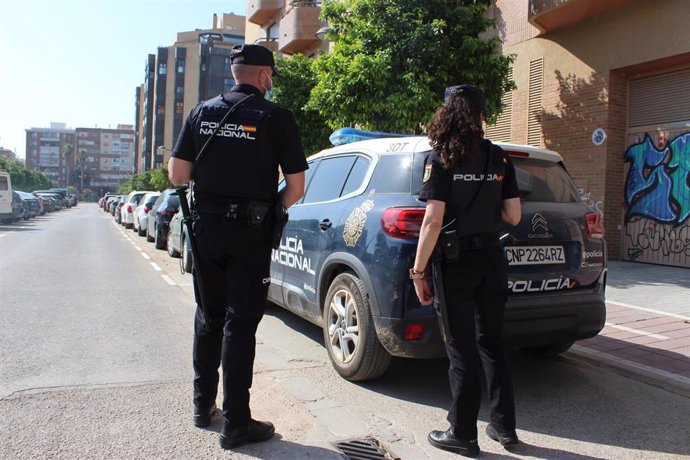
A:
(268, 91)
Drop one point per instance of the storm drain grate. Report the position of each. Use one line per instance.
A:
(364, 449)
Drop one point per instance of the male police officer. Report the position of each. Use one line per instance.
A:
(235, 191)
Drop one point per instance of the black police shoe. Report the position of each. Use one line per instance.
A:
(506, 439)
(446, 440)
(254, 432)
(203, 416)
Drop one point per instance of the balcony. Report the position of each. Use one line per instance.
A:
(299, 25)
(548, 15)
(270, 44)
(262, 11)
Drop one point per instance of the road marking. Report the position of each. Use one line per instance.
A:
(168, 280)
(658, 312)
(132, 242)
(636, 331)
(137, 248)
(156, 266)
(145, 256)
(4, 234)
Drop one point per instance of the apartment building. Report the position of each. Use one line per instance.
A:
(7, 153)
(607, 84)
(195, 68)
(285, 26)
(104, 157)
(51, 152)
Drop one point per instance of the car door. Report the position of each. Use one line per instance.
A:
(309, 234)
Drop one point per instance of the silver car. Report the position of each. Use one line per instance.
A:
(141, 213)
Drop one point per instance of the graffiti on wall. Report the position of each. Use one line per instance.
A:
(657, 199)
(586, 197)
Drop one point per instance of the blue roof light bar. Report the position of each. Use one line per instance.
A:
(348, 135)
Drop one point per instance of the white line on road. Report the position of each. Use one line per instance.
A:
(636, 331)
(4, 234)
(132, 242)
(168, 280)
(145, 256)
(156, 266)
(658, 312)
(137, 248)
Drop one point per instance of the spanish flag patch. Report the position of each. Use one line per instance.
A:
(249, 128)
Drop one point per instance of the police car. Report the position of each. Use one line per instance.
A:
(345, 254)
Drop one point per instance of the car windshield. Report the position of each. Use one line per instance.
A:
(544, 181)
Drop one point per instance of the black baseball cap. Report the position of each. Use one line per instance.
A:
(253, 55)
(469, 92)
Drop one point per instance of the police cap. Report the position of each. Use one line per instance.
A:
(253, 55)
(472, 94)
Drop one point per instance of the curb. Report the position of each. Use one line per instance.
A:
(649, 375)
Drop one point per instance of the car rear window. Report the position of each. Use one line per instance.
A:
(3, 183)
(393, 174)
(173, 200)
(544, 181)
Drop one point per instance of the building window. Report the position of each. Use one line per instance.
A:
(272, 31)
(179, 107)
(226, 64)
(161, 109)
(163, 69)
(179, 90)
(180, 66)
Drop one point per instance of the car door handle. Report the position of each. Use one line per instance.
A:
(325, 224)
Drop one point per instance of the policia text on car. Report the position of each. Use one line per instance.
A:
(235, 193)
(470, 187)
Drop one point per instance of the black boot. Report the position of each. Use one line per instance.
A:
(446, 440)
(507, 439)
(203, 416)
(254, 432)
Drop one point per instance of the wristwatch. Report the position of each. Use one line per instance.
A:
(415, 275)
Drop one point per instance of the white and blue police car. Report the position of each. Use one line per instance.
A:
(345, 253)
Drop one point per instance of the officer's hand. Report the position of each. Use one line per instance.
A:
(421, 287)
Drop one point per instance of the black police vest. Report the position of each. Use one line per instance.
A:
(483, 214)
(240, 162)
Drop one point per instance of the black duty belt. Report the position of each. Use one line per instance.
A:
(481, 241)
(231, 210)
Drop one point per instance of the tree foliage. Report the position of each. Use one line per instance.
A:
(153, 179)
(22, 178)
(393, 59)
(292, 90)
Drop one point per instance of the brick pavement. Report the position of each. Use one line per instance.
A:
(647, 332)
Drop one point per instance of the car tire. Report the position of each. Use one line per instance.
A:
(551, 350)
(169, 246)
(149, 238)
(158, 240)
(141, 231)
(348, 330)
(186, 255)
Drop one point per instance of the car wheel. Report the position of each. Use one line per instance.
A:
(169, 245)
(141, 231)
(186, 255)
(348, 331)
(158, 240)
(149, 238)
(551, 350)
(7, 221)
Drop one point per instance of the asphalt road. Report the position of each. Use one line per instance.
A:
(95, 334)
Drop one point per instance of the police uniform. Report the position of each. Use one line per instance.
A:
(235, 191)
(475, 283)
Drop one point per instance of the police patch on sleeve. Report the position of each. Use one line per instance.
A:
(427, 173)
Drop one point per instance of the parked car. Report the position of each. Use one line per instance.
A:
(19, 207)
(114, 203)
(33, 207)
(58, 200)
(141, 213)
(6, 214)
(129, 204)
(160, 216)
(345, 253)
(178, 243)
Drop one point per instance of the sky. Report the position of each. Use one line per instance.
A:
(79, 61)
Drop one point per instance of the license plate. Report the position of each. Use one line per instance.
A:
(534, 255)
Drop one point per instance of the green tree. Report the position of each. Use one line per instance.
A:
(292, 90)
(159, 178)
(153, 179)
(393, 59)
(22, 178)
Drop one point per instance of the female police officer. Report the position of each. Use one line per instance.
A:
(470, 188)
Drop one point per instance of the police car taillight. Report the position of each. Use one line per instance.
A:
(594, 226)
(403, 223)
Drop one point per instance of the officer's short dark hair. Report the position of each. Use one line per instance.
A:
(472, 93)
(253, 55)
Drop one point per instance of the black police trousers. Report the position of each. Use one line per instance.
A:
(475, 290)
(234, 262)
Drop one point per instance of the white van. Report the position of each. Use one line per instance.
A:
(6, 198)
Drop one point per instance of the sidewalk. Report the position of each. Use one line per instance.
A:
(647, 332)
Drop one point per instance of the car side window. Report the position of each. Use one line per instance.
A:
(328, 179)
(393, 174)
(356, 176)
